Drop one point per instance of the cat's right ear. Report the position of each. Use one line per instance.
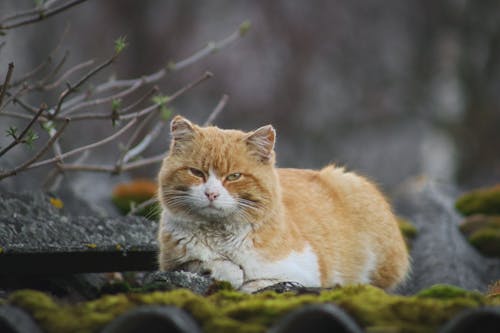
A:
(181, 130)
(261, 143)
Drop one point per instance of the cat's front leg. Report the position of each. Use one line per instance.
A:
(224, 270)
(251, 286)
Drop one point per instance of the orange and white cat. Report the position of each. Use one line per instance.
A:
(228, 211)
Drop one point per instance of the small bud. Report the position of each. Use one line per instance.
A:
(244, 27)
(120, 44)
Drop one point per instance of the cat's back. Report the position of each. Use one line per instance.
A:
(349, 224)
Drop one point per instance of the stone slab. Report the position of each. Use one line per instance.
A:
(37, 237)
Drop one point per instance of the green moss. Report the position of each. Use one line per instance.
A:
(444, 291)
(407, 228)
(482, 201)
(232, 311)
(487, 241)
(477, 222)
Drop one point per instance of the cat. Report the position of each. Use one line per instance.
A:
(229, 212)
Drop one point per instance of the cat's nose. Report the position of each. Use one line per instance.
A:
(211, 195)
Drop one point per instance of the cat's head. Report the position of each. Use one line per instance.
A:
(214, 174)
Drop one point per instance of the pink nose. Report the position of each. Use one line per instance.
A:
(212, 195)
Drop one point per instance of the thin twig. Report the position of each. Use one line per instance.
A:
(29, 12)
(73, 88)
(108, 115)
(66, 74)
(19, 139)
(6, 82)
(40, 67)
(220, 106)
(173, 97)
(171, 67)
(141, 99)
(54, 71)
(141, 206)
(24, 166)
(132, 139)
(144, 143)
(40, 15)
(106, 99)
(22, 116)
(89, 146)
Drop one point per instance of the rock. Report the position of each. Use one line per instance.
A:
(154, 319)
(38, 237)
(440, 253)
(178, 279)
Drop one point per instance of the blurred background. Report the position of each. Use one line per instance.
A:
(390, 89)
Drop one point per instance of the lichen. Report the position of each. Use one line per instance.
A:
(482, 201)
(232, 311)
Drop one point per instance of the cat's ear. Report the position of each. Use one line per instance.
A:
(181, 130)
(261, 142)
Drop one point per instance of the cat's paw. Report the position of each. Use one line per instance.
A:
(282, 287)
(224, 270)
(252, 286)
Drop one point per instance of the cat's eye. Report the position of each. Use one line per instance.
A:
(233, 177)
(197, 173)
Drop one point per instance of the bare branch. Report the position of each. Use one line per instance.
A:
(171, 67)
(103, 100)
(145, 142)
(39, 154)
(142, 205)
(220, 106)
(73, 88)
(211, 47)
(19, 139)
(22, 116)
(132, 139)
(66, 74)
(89, 146)
(55, 70)
(37, 15)
(40, 67)
(132, 106)
(6, 82)
(173, 97)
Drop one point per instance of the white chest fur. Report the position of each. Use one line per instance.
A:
(231, 256)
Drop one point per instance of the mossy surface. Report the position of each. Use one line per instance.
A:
(483, 232)
(407, 228)
(231, 311)
(482, 201)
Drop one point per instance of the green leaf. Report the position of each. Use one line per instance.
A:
(245, 27)
(12, 132)
(30, 138)
(120, 44)
(166, 113)
(116, 104)
(160, 99)
(48, 126)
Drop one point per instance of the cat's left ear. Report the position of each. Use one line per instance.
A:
(261, 142)
(181, 130)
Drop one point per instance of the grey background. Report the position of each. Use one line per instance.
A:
(390, 89)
